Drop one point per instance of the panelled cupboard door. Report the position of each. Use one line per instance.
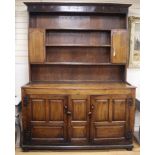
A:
(78, 112)
(36, 45)
(119, 50)
(46, 119)
(110, 119)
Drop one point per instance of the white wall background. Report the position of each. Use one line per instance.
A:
(21, 43)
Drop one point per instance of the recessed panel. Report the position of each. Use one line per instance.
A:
(119, 46)
(109, 131)
(47, 132)
(119, 109)
(38, 110)
(36, 45)
(79, 109)
(101, 110)
(79, 132)
(56, 110)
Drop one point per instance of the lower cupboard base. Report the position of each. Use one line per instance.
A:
(75, 147)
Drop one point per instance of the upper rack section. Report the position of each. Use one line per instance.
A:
(74, 22)
(78, 38)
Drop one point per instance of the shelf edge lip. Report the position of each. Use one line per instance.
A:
(54, 45)
(78, 3)
(28, 85)
(69, 63)
(75, 29)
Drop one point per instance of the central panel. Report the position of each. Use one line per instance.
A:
(79, 119)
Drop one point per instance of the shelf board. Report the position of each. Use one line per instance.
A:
(75, 45)
(75, 63)
(80, 82)
(76, 29)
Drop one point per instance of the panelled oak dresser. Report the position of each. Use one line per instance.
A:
(77, 97)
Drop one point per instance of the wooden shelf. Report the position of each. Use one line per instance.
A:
(74, 45)
(75, 63)
(76, 29)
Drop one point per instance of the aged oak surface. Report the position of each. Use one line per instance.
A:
(77, 97)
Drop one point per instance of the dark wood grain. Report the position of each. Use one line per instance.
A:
(77, 7)
(75, 22)
(77, 38)
(78, 97)
(77, 73)
(78, 54)
(48, 114)
(79, 119)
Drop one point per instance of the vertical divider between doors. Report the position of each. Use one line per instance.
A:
(66, 100)
(88, 119)
(91, 120)
(69, 130)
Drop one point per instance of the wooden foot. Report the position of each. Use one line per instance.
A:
(129, 149)
(25, 150)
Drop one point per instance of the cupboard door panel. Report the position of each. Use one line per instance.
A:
(100, 115)
(47, 119)
(45, 132)
(119, 109)
(38, 109)
(110, 118)
(101, 110)
(79, 132)
(119, 46)
(111, 131)
(56, 110)
(79, 109)
(36, 45)
(57, 119)
(78, 120)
